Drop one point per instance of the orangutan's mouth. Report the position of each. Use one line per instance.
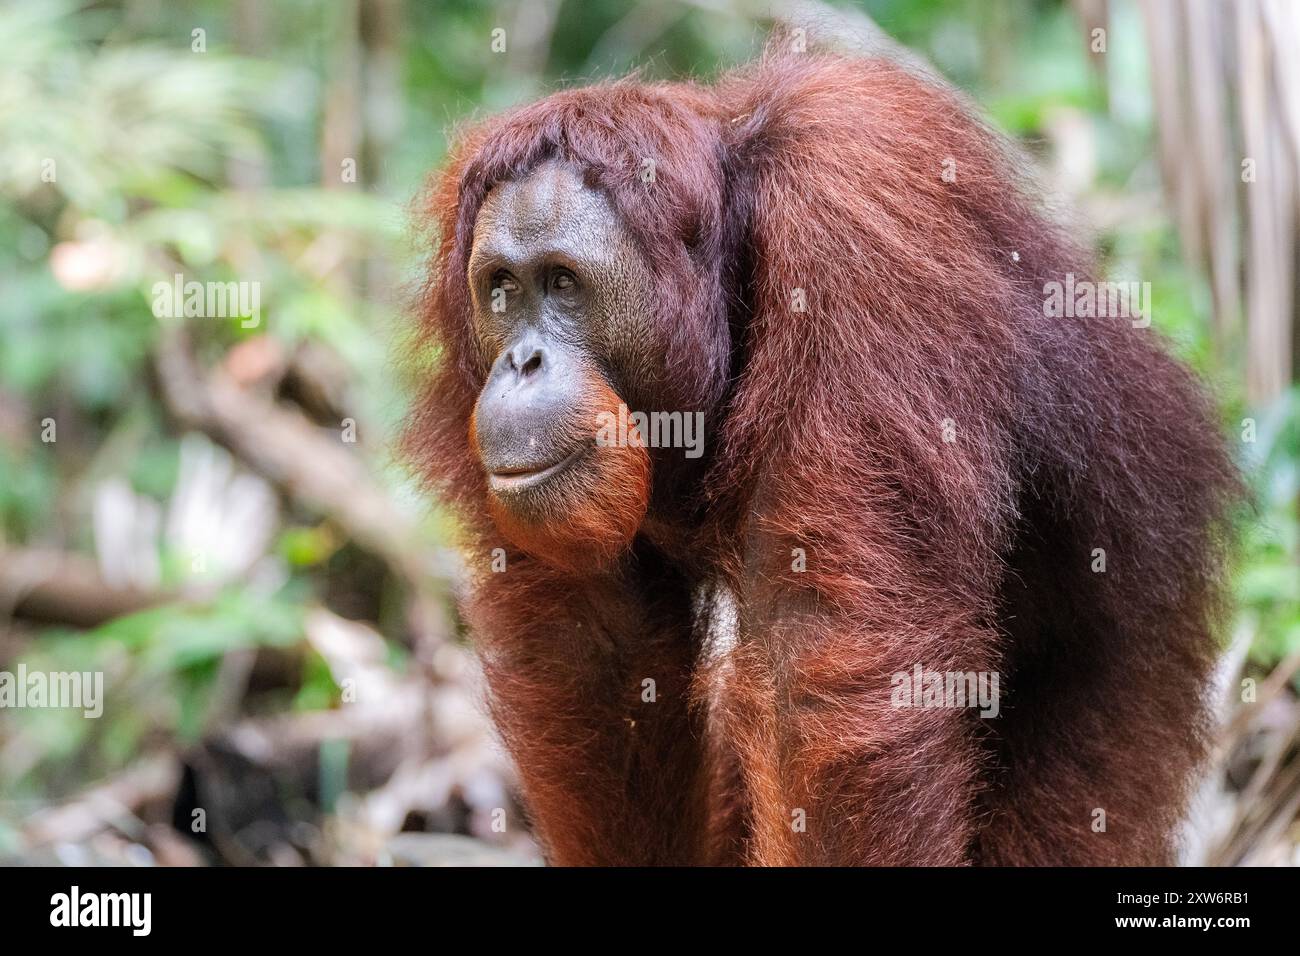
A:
(515, 480)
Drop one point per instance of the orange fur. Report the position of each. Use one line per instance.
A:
(923, 306)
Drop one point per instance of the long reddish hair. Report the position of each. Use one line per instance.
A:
(892, 403)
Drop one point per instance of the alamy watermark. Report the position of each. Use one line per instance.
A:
(133, 911)
(81, 690)
(953, 689)
(208, 300)
(626, 429)
(1085, 299)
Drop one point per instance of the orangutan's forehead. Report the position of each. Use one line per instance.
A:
(551, 204)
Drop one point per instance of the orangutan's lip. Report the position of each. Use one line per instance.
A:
(515, 480)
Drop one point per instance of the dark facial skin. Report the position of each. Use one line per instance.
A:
(561, 308)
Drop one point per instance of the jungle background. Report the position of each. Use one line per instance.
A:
(213, 515)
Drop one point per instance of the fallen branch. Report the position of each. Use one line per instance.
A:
(118, 803)
(309, 465)
(59, 587)
(1274, 684)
